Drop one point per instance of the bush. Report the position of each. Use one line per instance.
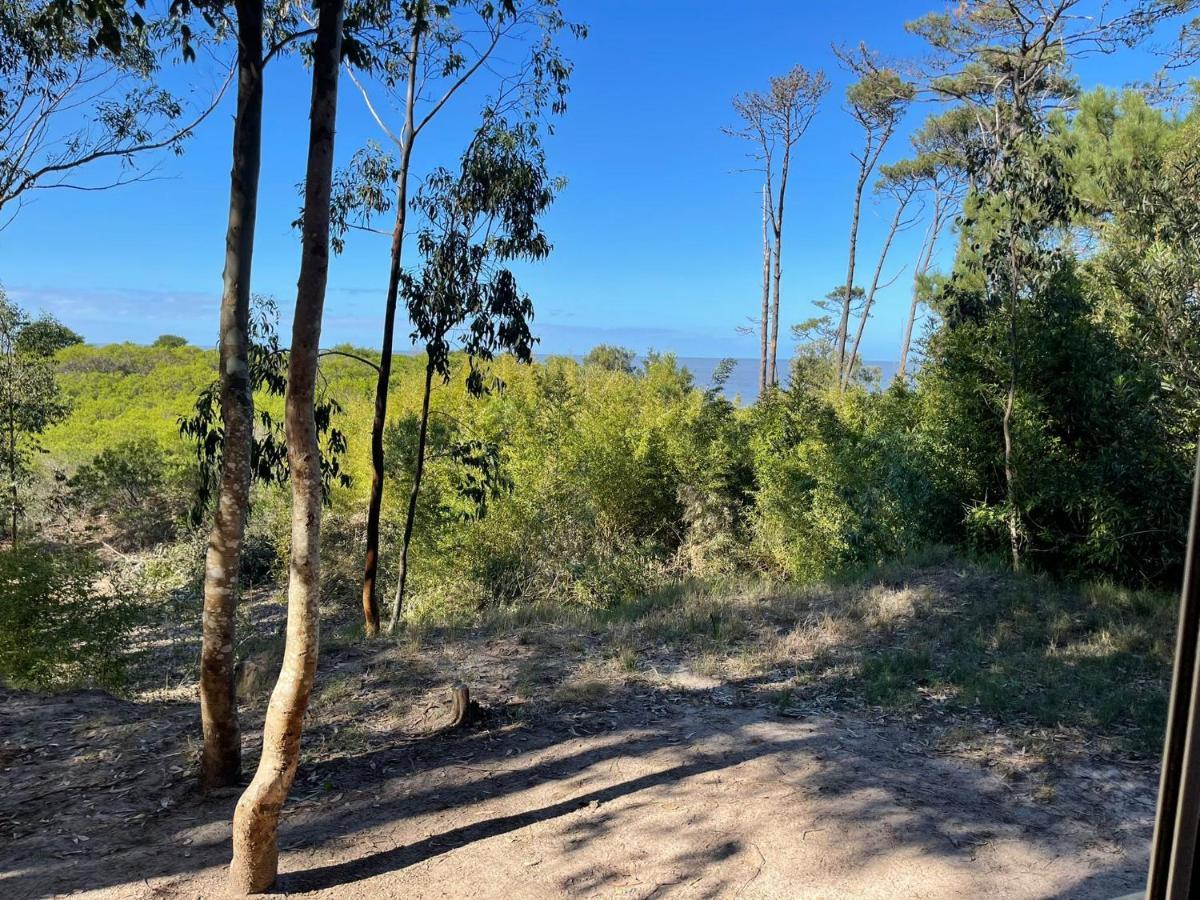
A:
(260, 560)
(133, 485)
(56, 629)
(594, 513)
(842, 481)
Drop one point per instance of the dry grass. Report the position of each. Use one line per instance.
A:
(939, 637)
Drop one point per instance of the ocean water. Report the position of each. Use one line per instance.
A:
(743, 382)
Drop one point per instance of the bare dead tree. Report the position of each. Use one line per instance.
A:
(877, 101)
(901, 182)
(766, 291)
(774, 122)
(941, 147)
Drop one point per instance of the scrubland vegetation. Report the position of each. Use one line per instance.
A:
(984, 548)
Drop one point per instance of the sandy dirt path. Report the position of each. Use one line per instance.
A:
(642, 793)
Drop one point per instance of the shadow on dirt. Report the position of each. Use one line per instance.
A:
(878, 774)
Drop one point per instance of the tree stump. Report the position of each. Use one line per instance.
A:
(464, 710)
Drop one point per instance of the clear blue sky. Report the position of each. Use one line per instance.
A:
(657, 235)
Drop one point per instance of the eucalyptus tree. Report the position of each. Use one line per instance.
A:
(260, 31)
(463, 295)
(85, 47)
(256, 819)
(774, 121)
(901, 182)
(940, 164)
(425, 53)
(74, 98)
(221, 753)
(877, 101)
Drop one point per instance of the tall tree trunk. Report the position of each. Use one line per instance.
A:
(375, 502)
(773, 378)
(924, 259)
(411, 517)
(256, 819)
(766, 301)
(1010, 467)
(870, 298)
(843, 331)
(221, 757)
(12, 460)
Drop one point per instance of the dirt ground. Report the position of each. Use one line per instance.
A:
(668, 784)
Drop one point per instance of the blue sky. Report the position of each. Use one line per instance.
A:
(657, 235)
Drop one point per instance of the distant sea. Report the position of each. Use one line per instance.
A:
(743, 382)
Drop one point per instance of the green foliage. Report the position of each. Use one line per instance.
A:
(45, 336)
(136, 487)
(30, 401)
(170, 341)
(1102, 489)
(613, 358)
(1149, 262)
(463, 290)
(56, 629)
(842, 480)
(84, 73)
(1104, 412)
(118, 391)
(268, 451)
(593, 509)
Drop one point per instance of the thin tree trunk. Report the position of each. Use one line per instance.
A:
(870, 299)
(12, 458)
(375, 502)
(773, 377)
(766, 301)
(1010, 469)
(924, 258)
(411, 517)
(221, 756)
(256, 819)
(843, 331)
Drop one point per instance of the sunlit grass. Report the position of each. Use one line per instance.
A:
(934, 632)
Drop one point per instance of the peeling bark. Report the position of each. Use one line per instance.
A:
(256, 819)
(221, 756)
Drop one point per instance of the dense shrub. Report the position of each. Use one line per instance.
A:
(594, 506)
(56, 628)
(134, 485)
(842, 481)
(1102, 488)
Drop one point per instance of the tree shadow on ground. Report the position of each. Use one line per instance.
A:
(877, 774)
